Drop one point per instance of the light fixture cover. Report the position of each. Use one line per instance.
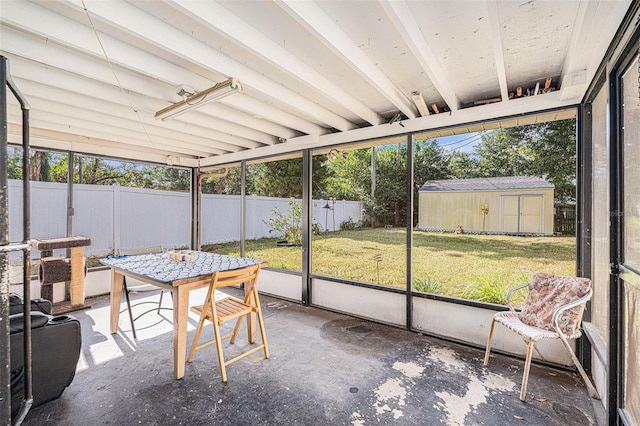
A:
(217, 92)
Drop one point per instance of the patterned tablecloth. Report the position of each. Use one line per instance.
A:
(160, 267)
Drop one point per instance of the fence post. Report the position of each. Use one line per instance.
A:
(116, 218)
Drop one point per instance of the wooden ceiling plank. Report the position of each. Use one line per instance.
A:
(26, 16)
(107, 111)
(219, 19)
(405, 24)
(47, 60)
(67, 82)
(259, 109)
(329, 33)
(90, 131)
(152, 30)
(45, 138)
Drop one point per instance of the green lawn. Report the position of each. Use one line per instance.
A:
(480, 267)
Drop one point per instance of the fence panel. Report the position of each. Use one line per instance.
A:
(565, 219)
(151, 217)
(220, 218)
(259, 211)
(330, 219)
(122, 217)
(93, 217)
(48, 212)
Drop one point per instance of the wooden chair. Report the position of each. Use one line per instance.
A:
(229, 308)
(553, 310)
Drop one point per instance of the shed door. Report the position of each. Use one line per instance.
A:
(522, 213)
(531, 214)
(510, 213)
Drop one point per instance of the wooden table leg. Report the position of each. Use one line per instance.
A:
(180, 319)
(116, 299)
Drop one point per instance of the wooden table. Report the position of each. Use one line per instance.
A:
(179, 277)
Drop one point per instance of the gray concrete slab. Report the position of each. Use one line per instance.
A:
(325, 369)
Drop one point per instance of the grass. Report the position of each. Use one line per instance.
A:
(479, 267)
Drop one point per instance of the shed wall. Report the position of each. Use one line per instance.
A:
(442, 210)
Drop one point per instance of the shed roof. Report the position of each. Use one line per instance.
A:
(487, 184)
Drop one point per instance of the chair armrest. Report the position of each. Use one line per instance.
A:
(561, 309)
(513, 290)
(38, 319)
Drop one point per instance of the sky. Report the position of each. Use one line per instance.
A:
(462, 143)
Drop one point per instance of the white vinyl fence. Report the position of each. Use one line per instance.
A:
(121, 217)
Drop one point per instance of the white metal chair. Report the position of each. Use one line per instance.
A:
(140, 289)
(553, 310)
(230, 308)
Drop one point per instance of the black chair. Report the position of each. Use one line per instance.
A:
(55, 349)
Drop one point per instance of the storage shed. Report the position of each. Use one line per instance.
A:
(506, 205)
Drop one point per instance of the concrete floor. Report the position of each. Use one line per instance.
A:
(325, 369)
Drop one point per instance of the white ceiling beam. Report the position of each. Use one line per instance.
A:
(144, 107)
(55, 56)
(141, 120)
(52, 27)
(495, 27)
(89, 130)
(63, 117)
(139, 24)
(481, 113)
(259, 109)
(573, 79)
(405, 24)
(328, 32)
(219, 19)
(43, 138)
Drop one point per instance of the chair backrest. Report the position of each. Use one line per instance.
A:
(247, 275)
(547, 293)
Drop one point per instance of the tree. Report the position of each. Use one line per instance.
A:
(462, 165)
(169, 178)
(546, 150)
(283, 178)
(40, 166)
(388, 206)
(14, 163)
(500, 154)
(349, 177)
(552, 150)
(430, 161)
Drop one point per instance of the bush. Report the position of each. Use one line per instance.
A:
(287, 225)
(348, 224)
(427, 285)
(492, 289)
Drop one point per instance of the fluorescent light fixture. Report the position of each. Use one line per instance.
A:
(217, 92)
(420, 104)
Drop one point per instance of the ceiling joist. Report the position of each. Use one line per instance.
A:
(219, 19)
(315, 73)
(311, 16)
(398, 12)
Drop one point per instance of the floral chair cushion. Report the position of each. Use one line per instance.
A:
(549, 292)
